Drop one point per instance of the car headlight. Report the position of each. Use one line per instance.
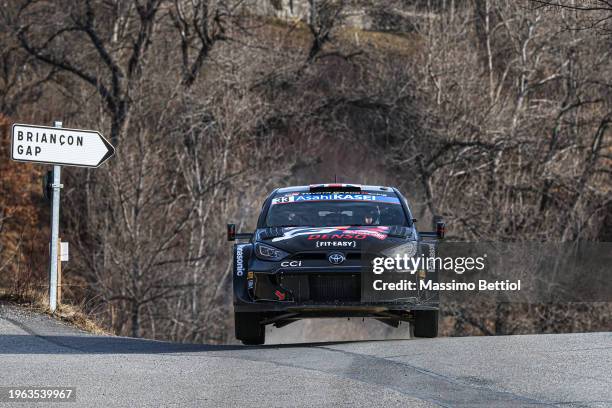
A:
(269, 253)
(403, 252)
(409, 249)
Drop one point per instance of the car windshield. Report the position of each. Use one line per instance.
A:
(335, 209)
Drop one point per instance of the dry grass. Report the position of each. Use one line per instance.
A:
(404, 44)
(295, 35)
(38, 302)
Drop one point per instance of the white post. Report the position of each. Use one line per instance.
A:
(55, 207)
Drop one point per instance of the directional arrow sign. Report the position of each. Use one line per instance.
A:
(66, 147)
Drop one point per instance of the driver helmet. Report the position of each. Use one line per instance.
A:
(371, 216)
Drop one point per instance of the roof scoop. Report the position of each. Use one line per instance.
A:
(320, 188)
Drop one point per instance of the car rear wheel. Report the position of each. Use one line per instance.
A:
(425, 323)
(248, 329)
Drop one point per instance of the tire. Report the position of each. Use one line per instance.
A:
(426, 323)
(248, 329)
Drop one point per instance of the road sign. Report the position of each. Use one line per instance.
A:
(63, 253)
(67, 147)
(58, 146)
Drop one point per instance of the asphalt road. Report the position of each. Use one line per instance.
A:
(568, 370)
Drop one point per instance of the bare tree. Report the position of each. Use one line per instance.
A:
(500, 123)
(118, 35)
(597, 14)
(324, 16)
(200, 25)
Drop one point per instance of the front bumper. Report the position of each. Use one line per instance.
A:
(320, 291)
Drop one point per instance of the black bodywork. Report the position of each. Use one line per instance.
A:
(308, 283)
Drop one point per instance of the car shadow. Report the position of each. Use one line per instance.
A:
(90, 344)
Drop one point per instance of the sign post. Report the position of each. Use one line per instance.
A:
(55, 204)
(62, 256)
(59, 272)
(60, 147)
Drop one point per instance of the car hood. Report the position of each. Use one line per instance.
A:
(342, 238)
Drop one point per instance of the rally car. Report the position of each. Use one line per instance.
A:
(311, 256)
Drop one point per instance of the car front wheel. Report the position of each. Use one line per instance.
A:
(425, 323)
(248, 328)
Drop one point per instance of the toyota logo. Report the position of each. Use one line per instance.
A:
(336, 258)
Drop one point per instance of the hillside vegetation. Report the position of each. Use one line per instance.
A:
(495, 114)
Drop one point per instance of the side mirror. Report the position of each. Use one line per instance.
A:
(439, 229)
(232, 235)
(414, 220)
(439, 226)
(231, 232)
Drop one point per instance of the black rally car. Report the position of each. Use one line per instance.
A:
(310, 256)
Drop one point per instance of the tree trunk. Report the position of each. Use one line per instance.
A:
(135, 319)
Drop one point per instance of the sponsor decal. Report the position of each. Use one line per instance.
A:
(336, 258)
(239, 260)
(336, 236)
(328, 233)
(343, 244)
(305, 197)
(250, 280)
(280, 295)
(291, 264)
(431, 267)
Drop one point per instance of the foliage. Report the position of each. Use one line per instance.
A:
(493, 114)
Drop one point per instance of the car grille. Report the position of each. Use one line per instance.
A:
(329, 287)
(324, 255)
